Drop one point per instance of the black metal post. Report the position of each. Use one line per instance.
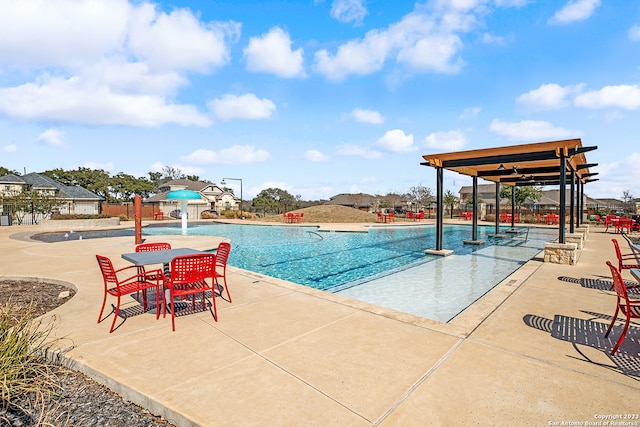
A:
(563, 197)
(439, 205)
(572, 205)
(513, 206)
(497, 207)
(580, 202)
(474, 222)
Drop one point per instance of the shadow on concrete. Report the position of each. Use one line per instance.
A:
(590, 333)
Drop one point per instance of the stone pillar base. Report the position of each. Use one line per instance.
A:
(577, 238)
(443, 252)
(560, 253)
(584, 230)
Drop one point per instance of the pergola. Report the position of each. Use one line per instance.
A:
(543, 163)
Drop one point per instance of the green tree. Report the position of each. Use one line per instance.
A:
(450, 200)
(124, 187)
(95, 180)
(4, 171)
(278, 200)
(32, 202)
(522, 194)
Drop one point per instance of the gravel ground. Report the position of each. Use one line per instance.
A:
(81, 402)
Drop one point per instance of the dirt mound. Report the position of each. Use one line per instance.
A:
(328, 214)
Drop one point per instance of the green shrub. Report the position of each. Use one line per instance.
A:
(78, 216)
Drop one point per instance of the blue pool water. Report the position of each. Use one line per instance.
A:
(386, 266)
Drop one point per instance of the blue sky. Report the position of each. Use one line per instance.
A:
(318, 97)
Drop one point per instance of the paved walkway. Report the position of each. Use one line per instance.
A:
(529, 353)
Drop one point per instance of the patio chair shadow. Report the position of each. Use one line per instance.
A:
(600, 284)
(590, 333)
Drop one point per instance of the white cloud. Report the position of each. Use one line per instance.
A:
(315, 156)
(73, 100)
(574, 10)
(272, 53)
(348, 11)
(530, 130)
(246, 106)
(106, 61)
(396, 141)
(621, 96)
(510, 3)
(616, 177)
(548, 96)
(470, 113)
(162, 40)
(426, 40)
(11, 148)
(236, 154)
(491, 39)
(634, 33)
(367, 116)
(52, 137)
(448, 141)
(357, 150)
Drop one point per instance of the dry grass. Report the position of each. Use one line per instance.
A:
(328, 214)
(25, 376)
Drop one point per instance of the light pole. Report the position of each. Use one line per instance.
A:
(235, 179)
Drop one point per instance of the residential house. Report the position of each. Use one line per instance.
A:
(72, 199)
(361, 201)
(212, 197)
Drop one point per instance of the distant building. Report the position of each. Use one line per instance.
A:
(361, 201)
(368, 203)
(74, 199)
(212, 197)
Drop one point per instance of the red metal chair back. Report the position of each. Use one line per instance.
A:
(150, 247)
(191, 268)
(107, 270)
(222, 254)
(630, 308)
(220, 267)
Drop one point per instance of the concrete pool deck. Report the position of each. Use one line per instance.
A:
(530, 352)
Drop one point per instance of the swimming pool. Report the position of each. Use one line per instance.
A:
(386, 266)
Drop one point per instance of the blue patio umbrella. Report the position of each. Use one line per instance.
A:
(184, 195)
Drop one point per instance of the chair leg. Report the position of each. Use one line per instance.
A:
(613, 320)
(104, 301)
(624, 332)
(224, 278)
(115, 316)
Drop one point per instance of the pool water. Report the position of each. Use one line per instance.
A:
(386, 266)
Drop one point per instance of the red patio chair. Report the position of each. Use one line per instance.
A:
(623, 223)
(410, 215)
(188, 279)
(629, 308)
(625, 261)
(391, 217)
(116, 286)
(420, 216)
(220, 267)
(149, 247)
(380, 217)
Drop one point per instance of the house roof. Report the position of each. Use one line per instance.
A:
(42, 182)
(515, 165)
(11, 179)
(181, 184)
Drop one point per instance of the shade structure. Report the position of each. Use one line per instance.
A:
(184, 195)
(543, 163)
